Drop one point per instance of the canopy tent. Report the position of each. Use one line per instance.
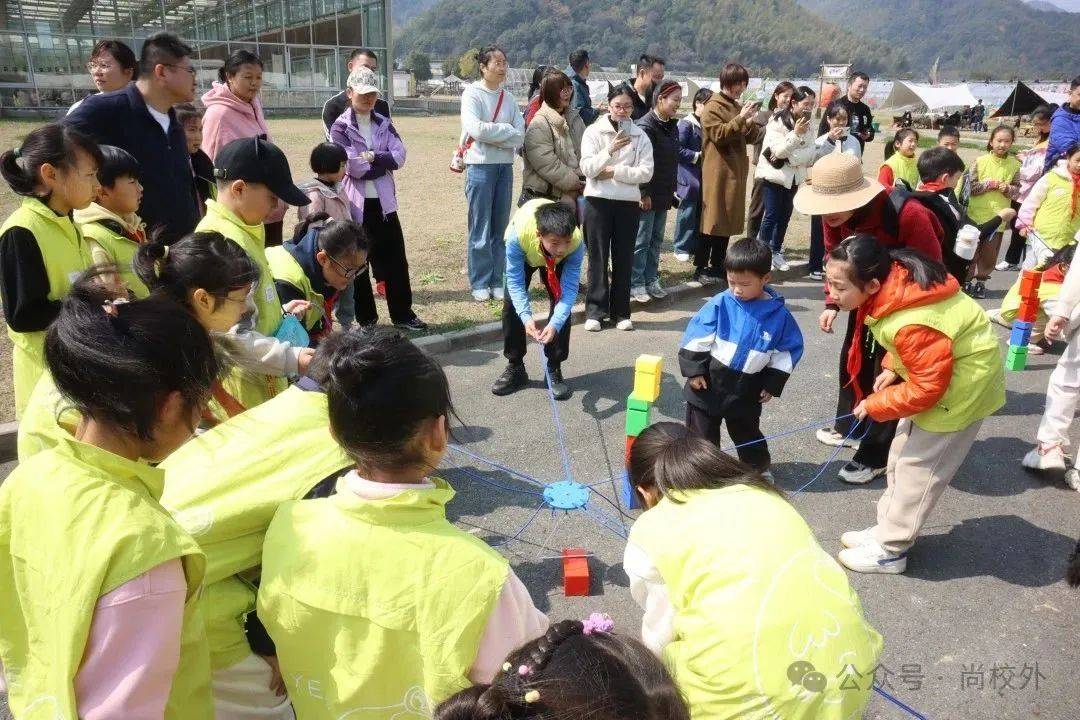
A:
(1023, 100)
(916, 97)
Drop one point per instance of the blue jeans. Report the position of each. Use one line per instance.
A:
(345, 308)
(488, 189)
(778, 207)
(687, 220)
(650, 235)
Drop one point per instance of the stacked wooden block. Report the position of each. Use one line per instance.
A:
(647, 373)
(1025, 320)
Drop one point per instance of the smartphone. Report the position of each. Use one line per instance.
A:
(806, 115)
(615, 124)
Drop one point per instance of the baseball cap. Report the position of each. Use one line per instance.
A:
(257, 160)
(362, 80)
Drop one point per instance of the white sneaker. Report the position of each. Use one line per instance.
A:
(1003, 266)
(815, 275)
(481, 295)
(592, 325)
(855, 538)
(1072, 478)
(640, 295)
(872, 558)
(1043, 457)
(655, 291)
(779, 263)
(624, 325)
(859, 474)
(829, 436)
(498, 293)
(682, 257)
(693, 282)
(1035, 349)
(995, 317)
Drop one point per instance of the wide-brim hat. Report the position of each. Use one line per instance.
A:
(837, 185)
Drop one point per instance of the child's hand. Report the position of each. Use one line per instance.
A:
(303, 360)
(277, 683)
(297, 308)
(1055, 327)
(825, 322)
(1023, 232)
(884, 380)
(698, 382)
(765, 397)
(531, 330)
(860, 411)
(1007, 215)
(547, 334)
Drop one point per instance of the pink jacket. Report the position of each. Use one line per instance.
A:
(228, 118)
(324, 198)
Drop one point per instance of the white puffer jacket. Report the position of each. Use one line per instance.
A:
(633, 165)
(798, 150)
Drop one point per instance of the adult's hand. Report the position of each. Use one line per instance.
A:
(884, 380)
(531, 330)
(606, 174)
(646, 203)
(827, 318)
(1056, 327)
(618, 142)
(801, 126)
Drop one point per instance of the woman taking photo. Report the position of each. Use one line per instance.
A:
(492, 129)
(233, 111)
(616, 158)
(552, 142)
(778, 102)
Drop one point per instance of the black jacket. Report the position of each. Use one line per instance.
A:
(860, 119)
(641, 107)
(204, 179)
(332, 109)
(120, 118)
(664, 137)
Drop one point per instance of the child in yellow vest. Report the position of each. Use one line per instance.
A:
(1053, 275)
(576, 670)
(252, 175)
(41, 249)
(900, 166)
(941, 377)
(374, 600)
(1050, 216)
(993, 188)
(719, 594)
(99, 587)
(111, 224)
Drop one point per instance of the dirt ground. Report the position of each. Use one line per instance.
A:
(432, 212)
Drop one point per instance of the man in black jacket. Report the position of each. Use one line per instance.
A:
(860, 119)
(336, 105)
(650, 73)
(140, 119)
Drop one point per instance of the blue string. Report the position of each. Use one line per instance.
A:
(906, 708)
(525, 527)
(814, 424)
(481, 479)
(567, 475)
(821, 470)
(497, 466)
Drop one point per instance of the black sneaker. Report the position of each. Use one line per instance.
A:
(415, 324)
(978, 290)
(559, 388)
(514, 378)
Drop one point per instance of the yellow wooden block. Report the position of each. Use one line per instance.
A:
(647, 386)
(649, 364)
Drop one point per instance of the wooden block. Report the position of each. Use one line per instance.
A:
(1029, 288)
(636, 421)
(575, 572)
(629, 446)
(650, 364)
(646, 386)
(633, 402)
(627, 493)
(1019, 337)
(1029, 311)
(1017, 358)
(1023, 324)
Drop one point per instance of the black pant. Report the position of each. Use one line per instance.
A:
(610, 232)
(756, 211)
(874, 449)
(1015, 254)
(514, 338)
(388, 262)
(817, 245)
(712, 249)
(273, 233)
(743, 418)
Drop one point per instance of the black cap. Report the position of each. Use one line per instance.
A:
(259, 161)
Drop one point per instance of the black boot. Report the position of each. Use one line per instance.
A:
(559, 388)
(513, 379)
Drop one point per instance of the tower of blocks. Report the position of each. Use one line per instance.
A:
(1025, 320)
(648, 370)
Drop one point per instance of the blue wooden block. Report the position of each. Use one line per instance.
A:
(626, 492)
(1023, 324)
(1019, 337)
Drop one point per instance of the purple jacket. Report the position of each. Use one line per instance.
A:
(389, 156)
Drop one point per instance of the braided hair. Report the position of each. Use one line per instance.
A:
(569, 674)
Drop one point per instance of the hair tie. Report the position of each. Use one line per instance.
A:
(17, 152)
(598, 623)
(110, 306)
(532, 696)
(160, 263)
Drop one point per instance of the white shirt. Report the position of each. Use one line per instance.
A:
(161, 117)
(363, 124)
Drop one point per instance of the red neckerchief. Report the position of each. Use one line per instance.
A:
(1075, 194)
(855, 352)
(552, 278)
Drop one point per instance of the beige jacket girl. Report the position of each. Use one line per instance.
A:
(552, 143)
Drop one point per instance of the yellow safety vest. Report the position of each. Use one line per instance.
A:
(985, 206)
(1054, 221)
(756, 601)
(47, 419)
(121, 251)
(66, 255)
(77, 522)
(376, 607)
(904, 168)
(285, 268)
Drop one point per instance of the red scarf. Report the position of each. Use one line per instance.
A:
(855, 352)
(552, 279)
(1075, 194)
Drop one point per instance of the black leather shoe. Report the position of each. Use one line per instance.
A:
(559, 388)
(513, 379)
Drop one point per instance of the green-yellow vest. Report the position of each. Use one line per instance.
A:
(248, 387)
(523, 225)
(47, 419)
(65, 254)
(1010, 304)
(285, 268)
(904, 168)
(77, 522)
(224, 487)
(986, 205)
(376, 607)
(753, 594)
(977, 389)
(121, 251)
(1054, 221)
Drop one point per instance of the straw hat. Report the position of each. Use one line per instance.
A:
(838, 185)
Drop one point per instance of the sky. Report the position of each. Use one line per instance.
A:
(1070, 5)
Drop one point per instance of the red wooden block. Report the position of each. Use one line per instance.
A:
(1029, 310)
(629, 445)
(1036, 274)
(1029, 286)
(575, 572)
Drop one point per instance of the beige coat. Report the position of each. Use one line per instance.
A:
(725, 165)
(552, 144)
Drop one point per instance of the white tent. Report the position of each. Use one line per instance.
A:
(916, 97)
(598, 90)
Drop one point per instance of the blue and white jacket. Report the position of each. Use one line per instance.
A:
(742, 347)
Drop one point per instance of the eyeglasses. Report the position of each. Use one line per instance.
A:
(103, 67)
(346, 272)
(185, 68)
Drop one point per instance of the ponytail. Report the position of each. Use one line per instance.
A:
(51, 144)
(302, 228)
(204, 260)
(901, 135)
(235, 61)
(870, 260)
